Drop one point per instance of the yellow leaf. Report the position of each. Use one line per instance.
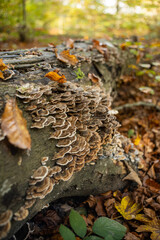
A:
(137, 140)
(153, 226)
(133, 66)
(14, 126)
(127, 208)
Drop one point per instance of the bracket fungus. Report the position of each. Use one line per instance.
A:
(80, 122)
(21, 214)
(5, 223)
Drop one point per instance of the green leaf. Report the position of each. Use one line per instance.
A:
(66, 233)
(77, 223)
(109, 237)
(149, 56)
(92, 237)
(131, 133)
(133, 51)
(140, 73)
(106, 227)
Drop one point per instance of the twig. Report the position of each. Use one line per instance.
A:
(135, 104)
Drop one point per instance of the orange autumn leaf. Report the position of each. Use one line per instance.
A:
(1, 75)
(2, 65)
(128, 209)
(70, 43)
(14, 126)
(101, 48)
(152, 226)
(65, 57)
(54, 76)
(123, 46)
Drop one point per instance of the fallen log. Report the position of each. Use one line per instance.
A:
(76, 149)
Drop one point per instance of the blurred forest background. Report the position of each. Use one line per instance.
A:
(39, 22)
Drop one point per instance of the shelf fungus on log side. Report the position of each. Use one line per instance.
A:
(79, 120)
(5, 223)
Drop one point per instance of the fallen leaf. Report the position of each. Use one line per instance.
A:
(133, 176)
(133, 66)
(131, 236)
(152, 185)
(94, 78)
(51, 45)
(54, 76)
(51, 218)
(153, 226)
(99, 207)
(65, 57)
(70, 43)
(91, 201)
(146, 90)
(2, 65)
(150, 213)
(137, 140)
(14, 126)
(127, 208)
(1, 75)
(101, 48)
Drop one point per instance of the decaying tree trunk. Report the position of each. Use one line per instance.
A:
(17, 166)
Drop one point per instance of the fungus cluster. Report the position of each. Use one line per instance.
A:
(5, 223)
(80, 122)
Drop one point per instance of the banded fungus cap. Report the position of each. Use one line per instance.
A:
(4, 230)
(29, 203)
(40, 173)
(21, 214)
(5, 217)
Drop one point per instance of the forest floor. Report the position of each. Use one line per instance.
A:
(138, 103)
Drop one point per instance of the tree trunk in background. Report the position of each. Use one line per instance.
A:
(17, 165)
(23, 26)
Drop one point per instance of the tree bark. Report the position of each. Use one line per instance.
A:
(17, 165)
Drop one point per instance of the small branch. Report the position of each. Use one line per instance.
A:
(135, 104)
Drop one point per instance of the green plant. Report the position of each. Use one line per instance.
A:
(103, 229)
(79, 73)
(131, 133)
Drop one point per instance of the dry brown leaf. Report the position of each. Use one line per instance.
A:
(94, 79)
(150, 213)
(152, 185)
(131, 236)
(70, 43)
(99, 207)
(97, 45)
(91, 201)
(54, 76)
(133, 176)
(65, 57)
(14, 126)
(2, 65)
(51, 45)
(1, 75)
